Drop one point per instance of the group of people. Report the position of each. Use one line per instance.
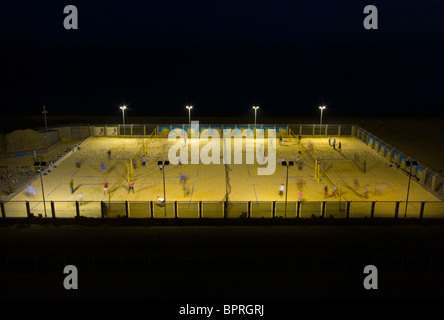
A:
(333, 144)
(334, 192)
(299, 183)
(106, 188)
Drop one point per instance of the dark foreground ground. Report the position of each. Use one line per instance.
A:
(242, 264)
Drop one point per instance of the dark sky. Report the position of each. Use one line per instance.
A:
(222, 57)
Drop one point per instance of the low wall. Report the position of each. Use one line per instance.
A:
(20, 141)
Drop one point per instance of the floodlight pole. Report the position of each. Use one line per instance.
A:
(320, 127)
(289, 164)
(286, 191)
(44, 114)
(163, 164)
(43, 191)
(408, 189)
(164, 193)
(255, 114)
(189, 116)
(123, 114)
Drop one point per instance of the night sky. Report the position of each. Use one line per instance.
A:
(222, 57)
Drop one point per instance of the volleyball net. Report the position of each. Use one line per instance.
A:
(319, 172)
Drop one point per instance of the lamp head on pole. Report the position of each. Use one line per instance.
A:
(255, 107)
(189, 107)
(322, 107)
(123, 107)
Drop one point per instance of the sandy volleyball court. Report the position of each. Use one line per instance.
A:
(380, 182)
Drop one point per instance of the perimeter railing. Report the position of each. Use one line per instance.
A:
(162, 130)
(223, 209)
(431, 180)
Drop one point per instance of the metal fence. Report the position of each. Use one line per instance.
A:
(223, 209)
(143, 130)
(430, 179)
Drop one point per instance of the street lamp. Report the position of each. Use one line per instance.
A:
(189, 116)
(255, 113)
(322, 110)
(289, 164)
(163, 164)
(123, 114)
(409, 164)
(44, 114)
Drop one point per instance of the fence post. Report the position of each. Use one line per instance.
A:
(396, 209)
(53, 209)
(424, 172)
(339, 130)
(347, 210)
(28, 209)
(298, 209)
(126, 209)
(274, 209)
(433, 182)
(102, 206)
(2, 205)
(323, 209)
(372, 212)
(175, 209)
(200, 209)
(249, 209)
(421, 211)
(77, 209)
(314, 129)
(152, 209)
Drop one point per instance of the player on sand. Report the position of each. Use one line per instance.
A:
(161, 201)
(281, 189)
(105, 187)
(131, 186)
